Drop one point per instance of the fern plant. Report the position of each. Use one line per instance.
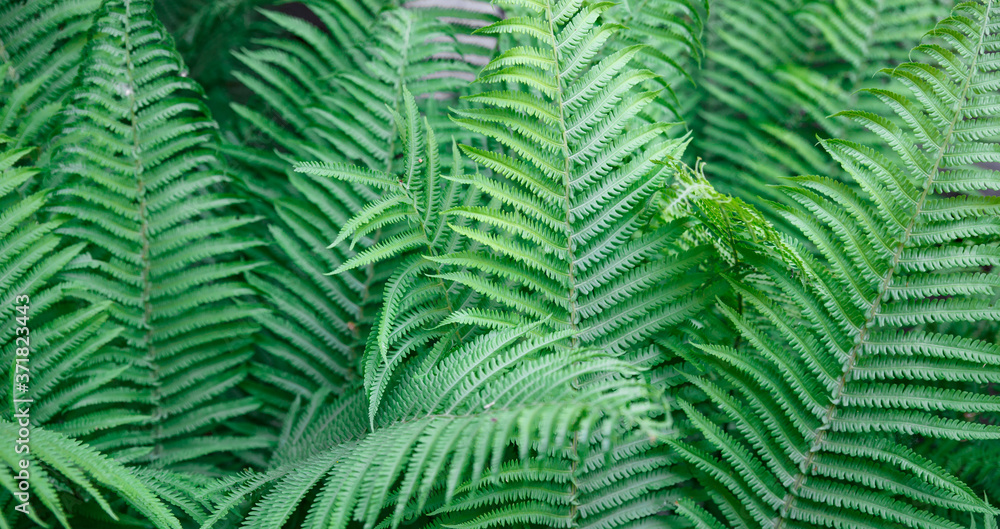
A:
(455, 264)
(485, 272)
(63, 380)
(572, 261)
(820, 411)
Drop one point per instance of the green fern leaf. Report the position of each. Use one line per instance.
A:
(819, 409)
(140, 172)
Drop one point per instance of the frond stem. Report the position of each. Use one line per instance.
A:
(147, 264)
(571, 297)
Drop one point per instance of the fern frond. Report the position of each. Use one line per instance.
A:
(580, 177)
(542, 176)
(516, 254)
(337, 108)
(140, 171)
(84, 467)
(821, 407)
(54, 365)
(350, 119)
(411, 206)
(458, 437)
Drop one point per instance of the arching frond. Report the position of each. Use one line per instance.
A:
(331, 95)
(54, 369)
(519, 258)
(582, 174)
(500, 392)
(415, 301)
(55, 456)
(41, 47)
(821, 411)
(565, 243)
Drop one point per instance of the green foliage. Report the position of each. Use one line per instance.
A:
(775, 73)
(85, 468)
(41, 47)
(563, 226)
(827, 406)
(305, 213)
(579, 177)
(475, 406)
(443, 264)
(414, 304)
(137, 173)
(65, 375)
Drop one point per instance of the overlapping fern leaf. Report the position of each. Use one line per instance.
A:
(671, 32)
(326, 94)
(576, 183)
(62, 467)
(514, 250)
(414, 302)
(564, 238)
(41, 50)
(774, 73)
(336, 111)
(53, 368)
(206, 33)
(143, 190)
(506, 408)
(67, 343)
(823, 411)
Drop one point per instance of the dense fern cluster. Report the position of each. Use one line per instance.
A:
(530, 263)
